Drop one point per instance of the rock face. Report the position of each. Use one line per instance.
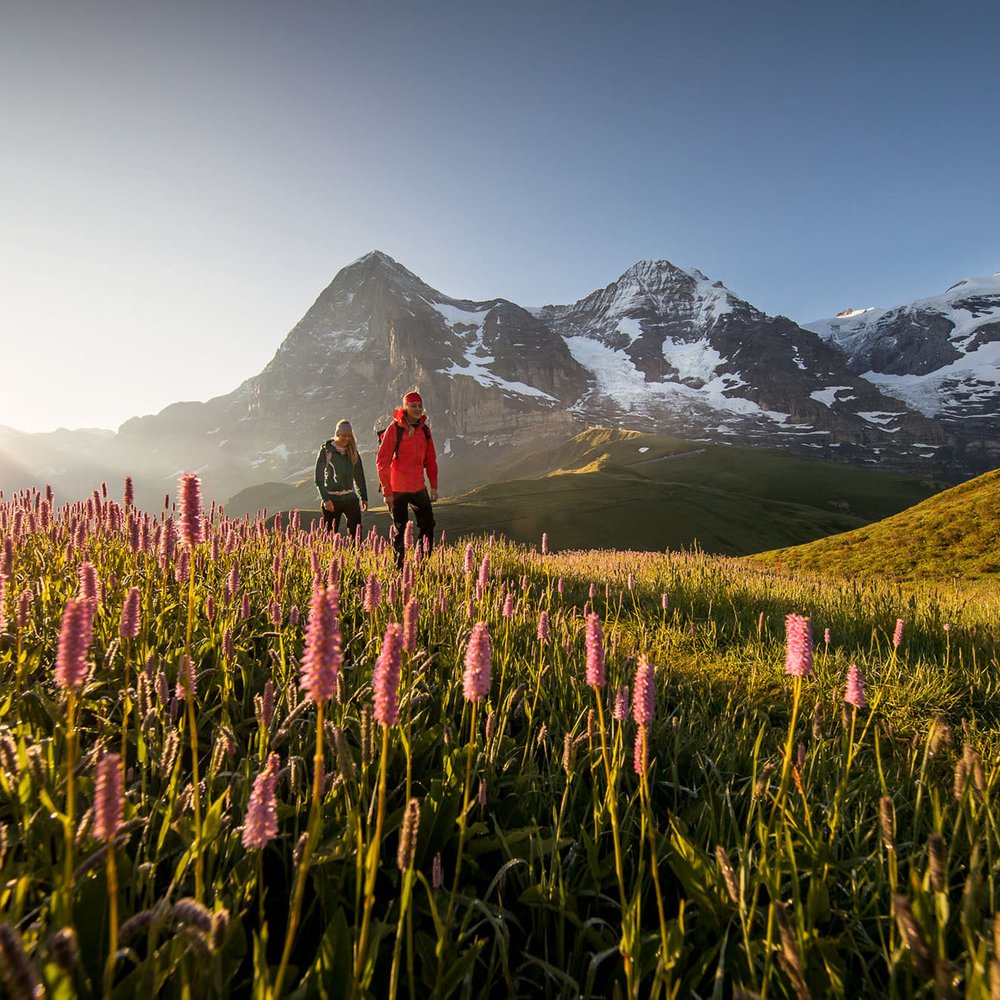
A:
(660, 348)
(669, 349)
(940, 356)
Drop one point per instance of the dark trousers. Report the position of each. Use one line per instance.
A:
(421, 504)
(346, 505)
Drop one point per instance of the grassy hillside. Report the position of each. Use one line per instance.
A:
(628, 490)
(954, 533)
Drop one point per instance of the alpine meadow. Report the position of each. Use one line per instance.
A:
(239, 758)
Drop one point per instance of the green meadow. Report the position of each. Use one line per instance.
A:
(449, 820)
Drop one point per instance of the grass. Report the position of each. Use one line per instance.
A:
(956, 533)
(776, 843)
(630, 490)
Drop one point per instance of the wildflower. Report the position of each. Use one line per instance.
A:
(798, 646)
(854, 694)
(639, 751)
(437, 874)
(75, 636)
(595, 652)
(89, 586)
(545, 543)
(508, 605)
(664, 601)
(261, 824)
(470, 560)
(411, 615)
(826, 636)
(187, 679)
(543, 626)
(484, 571)
(913, 936)
(18, 972)
(129, 628)
(189, 502)
(644, 693)
(109, 801)
(936, 861)
(620, 712)
(408, 835)
(373, 593)
(322, 657)
(569, 753)
(897, 636)
(478, 663)
(386, 678)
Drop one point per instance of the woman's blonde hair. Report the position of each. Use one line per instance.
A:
(352, 444)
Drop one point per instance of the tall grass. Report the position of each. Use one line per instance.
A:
(767, 840)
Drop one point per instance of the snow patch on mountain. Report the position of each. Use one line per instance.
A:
(976, 373)
(829, 396)
(617, 378)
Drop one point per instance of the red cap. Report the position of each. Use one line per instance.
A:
(412, 397)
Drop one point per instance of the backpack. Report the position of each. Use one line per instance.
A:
(399, 437)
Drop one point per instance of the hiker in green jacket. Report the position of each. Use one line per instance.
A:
(338, 471)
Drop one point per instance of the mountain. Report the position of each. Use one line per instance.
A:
(955, 533)
(660, 348)
(940, 356)
(669, 349)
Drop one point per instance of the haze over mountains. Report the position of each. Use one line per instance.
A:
(660, 348)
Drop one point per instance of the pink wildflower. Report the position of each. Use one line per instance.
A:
(189, 501)
(75, 635)
(897, 636)
(411, 615)
(543, 626)
(595, 652)
(545, 543)
(385, 680)
(620, 712)
(855, 692)
(128, 497)
(109, 800)
(478, 663)
(261, 824)
(798, 646)
(322, 657)
(639, 752)
(470, 560)
(644, 693)
(129, 627)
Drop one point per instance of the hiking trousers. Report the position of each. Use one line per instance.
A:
(424, 513)
(344, 505)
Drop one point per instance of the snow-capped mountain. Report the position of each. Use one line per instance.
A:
(660, 348)
(668, 348)
(939, 355)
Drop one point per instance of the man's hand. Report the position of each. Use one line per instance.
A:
(434, 495)
(388, 498)
(328, 506)
(364, 505)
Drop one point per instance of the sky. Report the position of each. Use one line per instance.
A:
(180, 180)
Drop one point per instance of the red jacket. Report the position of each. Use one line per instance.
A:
(405, 472)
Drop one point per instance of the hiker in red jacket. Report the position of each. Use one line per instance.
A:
(405, 451)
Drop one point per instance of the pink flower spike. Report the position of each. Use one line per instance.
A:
(385, 680)
(478, 663)
(261, 824)
(644, 693)
(109, 800)
(798, 646)
(129, 628)
(855, 692)
(75, 636)
(897, 636)
(322, 657)
(189, 502)
(620, 712)
(543, 626)
(595, 652)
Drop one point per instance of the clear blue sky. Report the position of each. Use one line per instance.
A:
(180, 180)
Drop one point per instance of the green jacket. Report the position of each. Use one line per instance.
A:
(335, 473)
